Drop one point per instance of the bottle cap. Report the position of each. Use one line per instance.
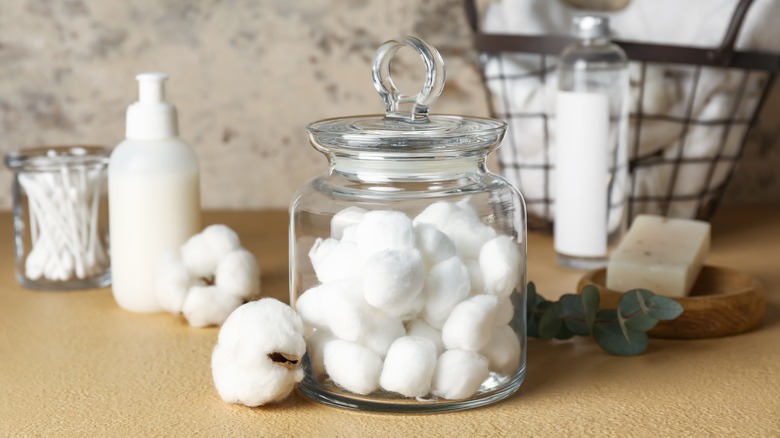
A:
(590, 26)
(151, 118)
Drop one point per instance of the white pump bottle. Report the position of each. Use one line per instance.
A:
(154, 195)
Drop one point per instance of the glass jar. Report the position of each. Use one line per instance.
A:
(407, 259)
(60, 217)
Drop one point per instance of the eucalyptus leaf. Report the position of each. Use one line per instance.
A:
(635, 312)
(573, 315)
(611, 338)
(550, 322)
(618, 331)
(664, 308)
(564, 333)
(590, 304)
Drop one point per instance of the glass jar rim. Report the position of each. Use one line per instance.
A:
(47, 158)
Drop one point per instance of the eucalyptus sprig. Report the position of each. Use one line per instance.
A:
(621, 331)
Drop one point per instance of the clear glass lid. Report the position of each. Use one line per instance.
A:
(406, 129)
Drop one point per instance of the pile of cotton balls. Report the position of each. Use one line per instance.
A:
(210, 277)
(258, 353)
(417, 307)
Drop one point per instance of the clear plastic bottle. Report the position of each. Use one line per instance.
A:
(407, 259)
(154, 195)
(591, 158)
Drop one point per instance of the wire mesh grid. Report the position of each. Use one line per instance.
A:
(682, 155)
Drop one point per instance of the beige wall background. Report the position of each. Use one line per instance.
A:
(246, 77)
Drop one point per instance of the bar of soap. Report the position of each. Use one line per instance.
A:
(660, 254)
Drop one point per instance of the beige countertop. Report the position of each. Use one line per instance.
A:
(75, 364)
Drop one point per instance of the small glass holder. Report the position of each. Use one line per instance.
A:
(60, 217)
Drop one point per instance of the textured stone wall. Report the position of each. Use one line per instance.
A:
(246, 77)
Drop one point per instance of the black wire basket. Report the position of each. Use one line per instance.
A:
(681, 159)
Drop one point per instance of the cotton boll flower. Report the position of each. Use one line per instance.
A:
(434, 246)
(257, 356)
(409, 366)
(352, 366)
(344, 219)
(208, 305)
(393, 277)
(382, 230)
(447, 284)
(202, 252)
(459, 374)
(422, 329)
(500, 262)
(470, 325)
(503, 351)
(171, 282)
(238, 274)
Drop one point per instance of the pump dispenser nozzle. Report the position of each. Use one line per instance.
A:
(151, 87)
(151, 118)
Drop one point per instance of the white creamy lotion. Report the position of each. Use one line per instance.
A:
(581, 174)
(154, 196)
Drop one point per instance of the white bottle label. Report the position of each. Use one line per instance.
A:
(582, 136)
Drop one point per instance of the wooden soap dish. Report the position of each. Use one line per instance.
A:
(722, 302)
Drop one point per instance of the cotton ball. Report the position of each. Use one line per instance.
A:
(350, 234)
(208, 305)
(341, 262)
(344, 219)
(315, 347)
(352, 366)
(238, 274)
(393, 277)
(409, 366)
(407, 310)
(437, 214)
(475, 276)
(171, 282)
(447, 284)
(459, 374)
(505, 311)
(382, 333)
(499, 261)
(503, 351)
(468, 235)
(346, 311)
(257, 356)
(422, 329)
(309, 307)
(320, 250)
(202, 252)
(434, 246)
(470, 325)
(382, 230)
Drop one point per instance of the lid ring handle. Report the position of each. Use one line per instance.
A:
(409, 108)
